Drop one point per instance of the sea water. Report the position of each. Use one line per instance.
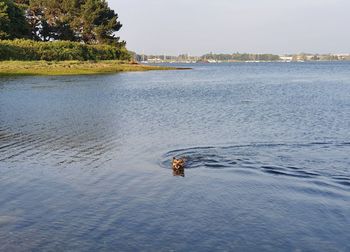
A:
(85, 161)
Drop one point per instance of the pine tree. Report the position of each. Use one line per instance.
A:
(99, 22)
(12, 21)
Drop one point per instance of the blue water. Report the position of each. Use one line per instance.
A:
(85, 160)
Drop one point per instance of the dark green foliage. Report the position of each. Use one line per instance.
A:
(4, 19)
(99, 22)
(12, 21)
(21, 49)
(53, 19)
(88, 21)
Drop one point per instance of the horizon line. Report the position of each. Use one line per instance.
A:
(216, 53)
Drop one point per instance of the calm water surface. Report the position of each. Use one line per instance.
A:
(85, 160)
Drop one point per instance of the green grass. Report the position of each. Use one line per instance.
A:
(14, 68)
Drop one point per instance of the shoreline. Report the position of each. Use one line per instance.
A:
(54, 68)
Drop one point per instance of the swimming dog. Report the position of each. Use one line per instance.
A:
(178, 166)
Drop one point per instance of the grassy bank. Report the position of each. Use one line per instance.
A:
(13, 68)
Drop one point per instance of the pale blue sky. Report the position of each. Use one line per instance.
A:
(258, 26)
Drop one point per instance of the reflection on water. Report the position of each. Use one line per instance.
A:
(179, 172)
(85, 161)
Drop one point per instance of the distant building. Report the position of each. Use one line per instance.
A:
(286, 58)
(343, 56)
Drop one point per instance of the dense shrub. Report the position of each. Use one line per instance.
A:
(21, 49)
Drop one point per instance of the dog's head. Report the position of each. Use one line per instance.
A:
(178, 163)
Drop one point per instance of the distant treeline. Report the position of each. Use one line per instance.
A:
(21, 49)
(208, 57)
(80, 23)
(240, 57)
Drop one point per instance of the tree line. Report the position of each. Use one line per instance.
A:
(86, 21)
(241, 57)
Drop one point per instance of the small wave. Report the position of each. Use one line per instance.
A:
(58, 150)
(299, 160)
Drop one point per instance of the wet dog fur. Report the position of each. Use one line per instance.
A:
(178, 163)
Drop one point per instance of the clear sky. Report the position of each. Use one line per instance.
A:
(257, 26)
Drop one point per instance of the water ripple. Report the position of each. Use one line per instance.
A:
(286, 159)
(60, 149)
